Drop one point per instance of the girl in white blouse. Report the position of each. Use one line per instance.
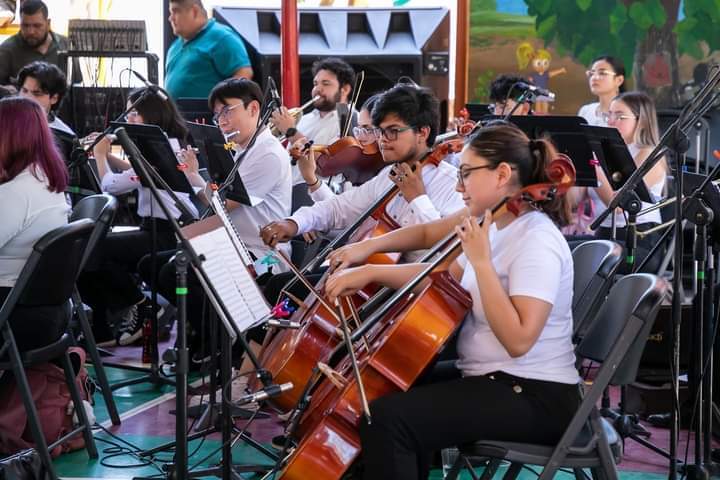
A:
(606, 79)
(33, 177)
(517, 379)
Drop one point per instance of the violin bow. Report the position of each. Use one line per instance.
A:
(359, 80)
(353, 359)
(308, 285)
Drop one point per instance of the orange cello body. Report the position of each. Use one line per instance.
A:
(291, 355)
(399, 351)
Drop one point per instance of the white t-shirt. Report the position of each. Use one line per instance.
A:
(265, 172)
(31, 210)
(531, 258)
(591, 113)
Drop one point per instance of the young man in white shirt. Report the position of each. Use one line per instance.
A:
(333, 81)
(264, 170)
(406, 122)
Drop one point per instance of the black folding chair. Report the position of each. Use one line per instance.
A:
(595, 263)
(101, 209)
(46, 283)
(616, 339)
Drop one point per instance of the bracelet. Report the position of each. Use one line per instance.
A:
(291, 132)
(315, 183)
(594, 161)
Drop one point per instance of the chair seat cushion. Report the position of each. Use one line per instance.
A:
(534, 454)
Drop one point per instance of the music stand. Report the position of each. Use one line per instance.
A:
(615, 158)
(153, 143)
(195, 109)
(211, 142)
(567, 136)
(83, 177)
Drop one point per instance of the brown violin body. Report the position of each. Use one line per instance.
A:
(401, 348)
(357, 162)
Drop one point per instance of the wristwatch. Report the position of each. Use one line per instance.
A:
(291, 132)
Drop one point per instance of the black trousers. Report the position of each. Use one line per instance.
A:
(35, 327)
(407, 427)
(112, 284)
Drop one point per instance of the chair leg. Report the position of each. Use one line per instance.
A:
(25, 392)
(79, 407)
(454, 471)
(96, 360)
(513, 471)
(490, 469)
(580, 474)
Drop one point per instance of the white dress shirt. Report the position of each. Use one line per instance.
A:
(340, 211)
(265, 172)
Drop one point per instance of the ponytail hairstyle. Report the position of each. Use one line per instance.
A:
(504, 142)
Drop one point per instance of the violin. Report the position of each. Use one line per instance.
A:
(356, 161)
(400, 341)
(463, 127)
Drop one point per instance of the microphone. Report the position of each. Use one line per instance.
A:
(283, 323)
(535, 89)
(274, 95)
(264, 393)
(152, 87)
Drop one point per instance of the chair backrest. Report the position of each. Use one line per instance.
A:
(595, 263)
(633, 298)
(49, 275)
(101, 209)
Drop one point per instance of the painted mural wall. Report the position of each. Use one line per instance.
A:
(667, 44)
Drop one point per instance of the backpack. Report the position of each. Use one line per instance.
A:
(53, 403)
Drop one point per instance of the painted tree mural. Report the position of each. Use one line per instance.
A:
(648, 35)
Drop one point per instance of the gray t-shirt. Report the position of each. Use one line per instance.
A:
(35, 211)
(15, 54)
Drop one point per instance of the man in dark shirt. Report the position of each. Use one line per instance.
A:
(34, 42)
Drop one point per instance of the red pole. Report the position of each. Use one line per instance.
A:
(289, 57)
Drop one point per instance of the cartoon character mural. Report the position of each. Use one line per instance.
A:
(539, 61)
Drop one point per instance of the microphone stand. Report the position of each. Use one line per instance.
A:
(674, 139)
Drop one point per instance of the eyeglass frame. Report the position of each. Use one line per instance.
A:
(224, 112)
(380, 132)
(607, 116)
(368, 133)
(464, 173)
(132, 114)
(601, 73)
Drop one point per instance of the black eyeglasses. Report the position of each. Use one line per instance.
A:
(390, 133)
(464, 173)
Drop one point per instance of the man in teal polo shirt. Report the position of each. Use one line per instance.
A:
(204, 53)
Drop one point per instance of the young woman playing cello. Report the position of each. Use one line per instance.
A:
(517, 379)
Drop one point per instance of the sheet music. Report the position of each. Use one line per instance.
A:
(223, 215)
(234, 285)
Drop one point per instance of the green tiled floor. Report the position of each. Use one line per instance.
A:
(109, 466)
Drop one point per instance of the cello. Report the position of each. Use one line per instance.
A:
(406, 334)
(291, 355)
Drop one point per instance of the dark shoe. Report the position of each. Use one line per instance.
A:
(659, 420)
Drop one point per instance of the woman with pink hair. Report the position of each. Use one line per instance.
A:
(33, 178)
